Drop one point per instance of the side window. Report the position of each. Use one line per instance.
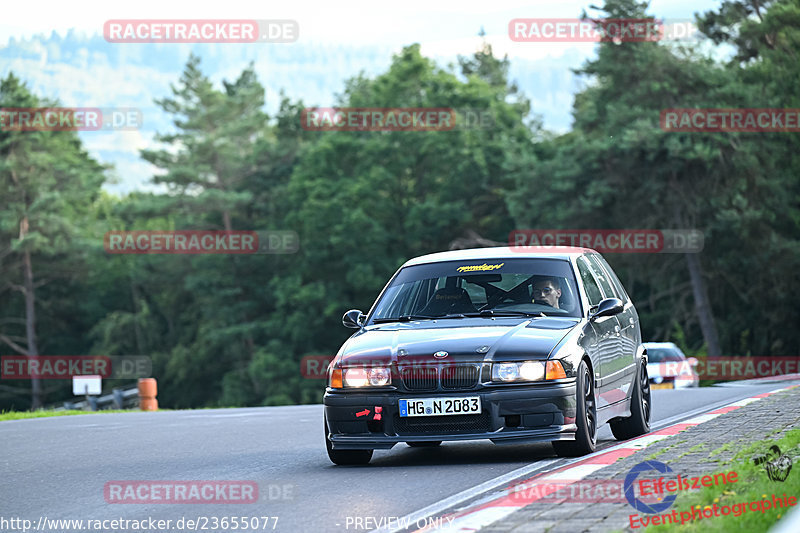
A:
(612, 276)
(602, 277)
(592, 290)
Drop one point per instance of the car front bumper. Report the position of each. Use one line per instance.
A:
(514, 414)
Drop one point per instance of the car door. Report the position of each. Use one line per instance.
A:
(619, 368)
(599, 335)
(630, 333)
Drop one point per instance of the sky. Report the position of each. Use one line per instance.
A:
(436, 23)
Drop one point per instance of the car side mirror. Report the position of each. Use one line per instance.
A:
(608, 307)
(693, 361)
(353, 319)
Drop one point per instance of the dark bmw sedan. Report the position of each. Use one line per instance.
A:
(494, 344)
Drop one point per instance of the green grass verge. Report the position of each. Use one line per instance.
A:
(22, 415)
(664, 450)
(753, 484)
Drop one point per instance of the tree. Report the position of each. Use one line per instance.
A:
(47, 183)
(209, 322)
(619, 166)
(760, 226)
(379, 198)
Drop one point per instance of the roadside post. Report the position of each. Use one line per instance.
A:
(147, 394)
(88, 386)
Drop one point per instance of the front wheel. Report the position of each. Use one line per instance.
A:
(639, 421)
(346, 457)
(585, 418)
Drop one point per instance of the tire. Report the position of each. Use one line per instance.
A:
(346, 457)
(585, 418)
(641, 406)
(424, 443)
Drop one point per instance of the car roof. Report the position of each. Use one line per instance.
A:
(499, 252)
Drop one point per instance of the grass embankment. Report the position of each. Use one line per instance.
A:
(22, 415)
(753, 485)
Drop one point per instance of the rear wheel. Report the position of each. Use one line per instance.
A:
(346, 457)
(585, 418)
(424, 443)
(639, 421)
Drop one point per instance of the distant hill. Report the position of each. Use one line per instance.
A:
(87, 71)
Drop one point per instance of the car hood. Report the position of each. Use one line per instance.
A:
(464, 340)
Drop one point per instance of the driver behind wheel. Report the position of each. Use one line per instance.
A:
(547, 291)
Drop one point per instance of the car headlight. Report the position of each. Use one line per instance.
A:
(355, 377)
(505, 372)
(363, 377)
(531, 371)
(522, 371)
(379, 376)
(527, 371)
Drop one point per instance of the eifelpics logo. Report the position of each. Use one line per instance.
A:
(667, 489)
(638, 504)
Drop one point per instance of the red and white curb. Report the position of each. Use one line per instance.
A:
(484, 512)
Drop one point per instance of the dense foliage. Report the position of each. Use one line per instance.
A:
(230, 330)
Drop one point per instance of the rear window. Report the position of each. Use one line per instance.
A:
(663, 355)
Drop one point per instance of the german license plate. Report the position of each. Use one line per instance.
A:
(669, 385)
(469, 405)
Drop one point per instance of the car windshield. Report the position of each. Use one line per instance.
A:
(485, 288)
(663, 355)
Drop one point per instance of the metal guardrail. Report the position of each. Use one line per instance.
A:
(118, 399)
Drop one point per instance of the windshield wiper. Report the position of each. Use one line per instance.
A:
(505, 312)
(407, 318)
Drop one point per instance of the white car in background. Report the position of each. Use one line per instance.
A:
(669, 368)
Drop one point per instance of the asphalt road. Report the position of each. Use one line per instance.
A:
(57, 467)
